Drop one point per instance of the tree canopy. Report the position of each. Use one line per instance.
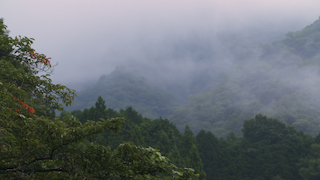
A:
(35, 145)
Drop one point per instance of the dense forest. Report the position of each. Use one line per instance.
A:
(268, 149)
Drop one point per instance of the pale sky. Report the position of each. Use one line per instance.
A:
(84, 35)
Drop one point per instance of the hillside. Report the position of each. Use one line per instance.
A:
(122, 89)
(305, 44)
(281, 83)
(279, 79)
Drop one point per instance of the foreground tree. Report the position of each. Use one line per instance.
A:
(34, 145)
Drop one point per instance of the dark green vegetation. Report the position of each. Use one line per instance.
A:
(36, 145)
(268, 150)
(158, 133)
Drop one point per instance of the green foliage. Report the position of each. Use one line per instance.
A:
(211, 153)
(20, 83)
(269, 149)
(44, 146)
(33, 146)
(265, 130)
(310, 164)
(304, 43)
(190, 153)
(317, 138)
(269, 145)
(158, 133)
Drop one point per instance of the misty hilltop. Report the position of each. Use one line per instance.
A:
(122, 89)
(220, 81)
(282, 82)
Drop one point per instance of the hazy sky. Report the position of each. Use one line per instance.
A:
(88, 38)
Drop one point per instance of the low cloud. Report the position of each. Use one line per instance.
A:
(91, 38)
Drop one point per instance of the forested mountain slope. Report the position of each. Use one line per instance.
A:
(268, 149)
(121, 89)
(305, 43)
(283, 83)
(280, 79)
(173, 69)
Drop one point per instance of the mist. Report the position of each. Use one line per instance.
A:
(161, 40)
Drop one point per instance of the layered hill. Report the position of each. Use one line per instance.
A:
(122, 89)
(279, 79)
(282, 82)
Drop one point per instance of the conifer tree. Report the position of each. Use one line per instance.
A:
(100, 108)
(174, 156)
(164, 143)
(190, 153)
(137, 137)
(209, 151)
